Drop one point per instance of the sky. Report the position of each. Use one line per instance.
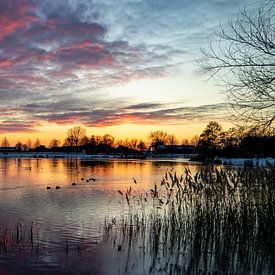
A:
(123, 67)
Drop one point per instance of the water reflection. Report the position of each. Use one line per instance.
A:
(69, 218)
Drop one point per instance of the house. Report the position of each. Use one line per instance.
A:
(175, 149)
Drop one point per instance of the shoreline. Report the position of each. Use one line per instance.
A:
(98, 157)
(233, 161)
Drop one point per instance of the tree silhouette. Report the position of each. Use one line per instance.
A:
(211, 136)
(141, 145)
(195, 140)
(19, 146)
(74, 136)
(242, 56)
(28, 144)
(108, 140)
(84, 140)
(172, 140)
(37, 143)
(5, 142)
(158, 138)
(55, 143)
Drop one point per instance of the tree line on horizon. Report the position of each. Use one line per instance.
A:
(212, 141)
(76, 137)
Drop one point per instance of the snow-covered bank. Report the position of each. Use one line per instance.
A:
(245, 161)
(53, 155)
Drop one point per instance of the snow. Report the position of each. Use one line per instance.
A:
(249, 161)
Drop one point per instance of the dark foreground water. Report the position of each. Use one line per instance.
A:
(56, 231)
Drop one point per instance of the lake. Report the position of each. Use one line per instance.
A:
(60, 230)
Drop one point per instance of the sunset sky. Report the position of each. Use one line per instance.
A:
(123, 67)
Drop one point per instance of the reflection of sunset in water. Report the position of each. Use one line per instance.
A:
(23, 184)
(68, 213)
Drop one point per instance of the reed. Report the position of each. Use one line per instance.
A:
(214, 221)
(19, 238)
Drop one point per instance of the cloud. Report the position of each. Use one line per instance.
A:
(143, 106)
(58, 58)
(14, 15)
(44, 47)
(110, 113)
(17, 127)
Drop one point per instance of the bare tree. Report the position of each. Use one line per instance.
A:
(232, 137)
(19, 145)
(108, 140)
(185, 141)
(172, 140)
(141, 145)
(29, 144)
(5, 142)
(195, 140)
(55, 143)
(84, 140)
(37, 143)
(131, 144)
(158, 138)
(96, 140)
(242, 56)
(74, 136)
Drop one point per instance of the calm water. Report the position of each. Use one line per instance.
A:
(67, 221)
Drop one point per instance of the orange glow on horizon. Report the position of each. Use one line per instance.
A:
(48, 132)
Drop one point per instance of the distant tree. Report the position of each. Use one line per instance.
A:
(211, 136)
(141, 145)
(25, 147)
(185, 141)
(242, 57)
(231, 138)
(131, 144)
(172, 140)
(37, 143)
(108, 140)
(195, 140)
(67, 142)
(29, 144)
(134, 144)
(19, 146)
(5, 142)
(74, 136)
(97, 139)
(158, 138)
(85, 140)
(93, 140)
(55, 143)
(119, 142)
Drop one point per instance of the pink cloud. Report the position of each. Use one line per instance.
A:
(122, 119)
(14, 15)
(4, 63)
